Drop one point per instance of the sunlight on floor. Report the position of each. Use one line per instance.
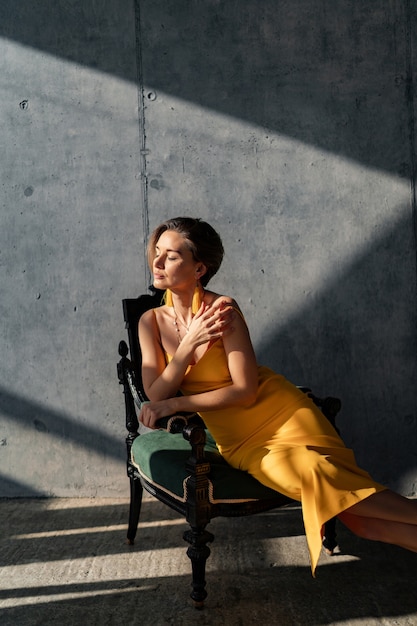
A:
(96, 529)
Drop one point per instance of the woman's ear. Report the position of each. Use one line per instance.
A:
(200, 270)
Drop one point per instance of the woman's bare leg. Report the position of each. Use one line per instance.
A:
(387, 505)
(384, 516)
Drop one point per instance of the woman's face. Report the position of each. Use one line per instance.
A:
(174, 266)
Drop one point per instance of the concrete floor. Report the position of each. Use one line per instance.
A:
(65, 561)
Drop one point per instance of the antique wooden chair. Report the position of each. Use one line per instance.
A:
(181, 466)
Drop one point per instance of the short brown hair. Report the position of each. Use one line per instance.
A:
(204, 242)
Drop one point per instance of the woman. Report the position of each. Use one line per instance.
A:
(198, 343)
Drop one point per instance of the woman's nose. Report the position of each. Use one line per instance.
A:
(159, 262)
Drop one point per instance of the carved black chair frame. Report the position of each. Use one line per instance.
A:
(197, 509)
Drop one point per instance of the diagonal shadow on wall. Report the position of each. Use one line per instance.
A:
(61, 425)
(32, 414)
(11, 487)
(358, 337)
(329, 74)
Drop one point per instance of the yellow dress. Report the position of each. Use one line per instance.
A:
(285, 442)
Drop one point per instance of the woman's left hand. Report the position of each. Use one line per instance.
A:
(151, 412)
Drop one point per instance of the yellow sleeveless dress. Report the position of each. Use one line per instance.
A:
(285, 442)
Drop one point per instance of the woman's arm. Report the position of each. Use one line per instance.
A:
(243, 371)
(160, 381)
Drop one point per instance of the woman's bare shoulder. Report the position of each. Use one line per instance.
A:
(217, 299)
(210, 297)
(147, 317)
(153, 317)
(159, 313)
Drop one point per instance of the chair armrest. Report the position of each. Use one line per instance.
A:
(126, 376)
(196, 435)
(176, 423)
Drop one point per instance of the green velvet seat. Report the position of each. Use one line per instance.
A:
(161, 457)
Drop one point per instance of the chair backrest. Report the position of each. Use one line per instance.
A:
(133, 308)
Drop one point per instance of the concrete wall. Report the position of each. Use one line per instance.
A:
(71, 241)
(289, 126)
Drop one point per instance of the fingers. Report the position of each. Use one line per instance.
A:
(213, 321)
(220, 324)
(218, 311)
(151, 412)
(146, 415)
(222, 317)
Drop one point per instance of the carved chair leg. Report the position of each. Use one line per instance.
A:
(136, 491)
(198, 552)
(330, 537)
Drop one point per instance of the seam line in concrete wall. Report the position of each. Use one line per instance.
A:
(142, 138)
(411, 124)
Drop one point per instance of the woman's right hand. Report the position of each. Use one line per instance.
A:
(211, 322)
(151, 412)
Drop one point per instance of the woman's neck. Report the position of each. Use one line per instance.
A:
(182, 309)
(185, 303)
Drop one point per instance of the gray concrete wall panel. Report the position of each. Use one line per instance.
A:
(290, 126)
(71, 241)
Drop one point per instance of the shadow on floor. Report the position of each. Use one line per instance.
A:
(65, 562)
